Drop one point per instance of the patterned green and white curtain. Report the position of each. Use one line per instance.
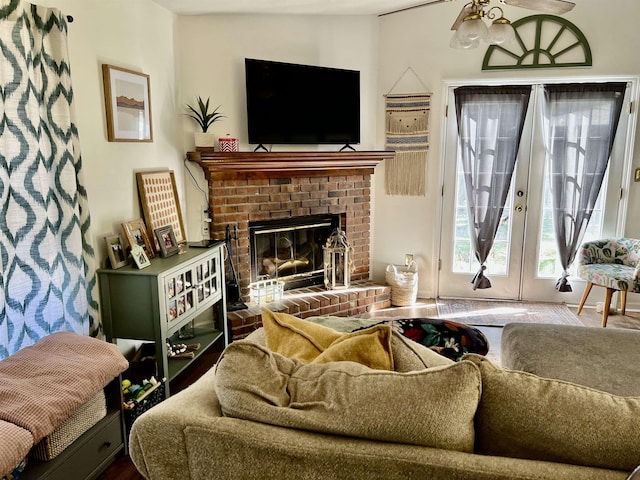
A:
(47, 280)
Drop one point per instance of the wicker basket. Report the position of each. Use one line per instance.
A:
(404, 284)
(85, 417)
(132, 412)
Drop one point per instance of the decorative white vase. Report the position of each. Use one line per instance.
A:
(204, 139)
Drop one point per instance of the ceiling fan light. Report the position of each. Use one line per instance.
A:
(501, 32)
(473, 29)
(462, 43)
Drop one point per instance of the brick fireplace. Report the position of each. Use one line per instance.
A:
(250, 187)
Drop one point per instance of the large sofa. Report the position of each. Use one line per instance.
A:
(402, 412)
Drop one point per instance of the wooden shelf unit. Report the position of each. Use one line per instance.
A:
(152, 304)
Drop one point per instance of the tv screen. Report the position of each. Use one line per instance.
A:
(301, 104)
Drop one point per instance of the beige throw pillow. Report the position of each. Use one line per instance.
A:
(346, 398)
(409, 356)
(526, 416)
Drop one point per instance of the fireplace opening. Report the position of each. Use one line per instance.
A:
(290, 249)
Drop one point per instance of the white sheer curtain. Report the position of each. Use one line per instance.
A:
(580, 123)
(490, 123)
(47, 273)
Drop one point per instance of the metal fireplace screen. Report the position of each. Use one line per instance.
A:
(290, 249)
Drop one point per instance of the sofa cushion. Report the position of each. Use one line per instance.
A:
(567, 352)
(350, 399)
(309, 342)
(409, 355)
(526, 416)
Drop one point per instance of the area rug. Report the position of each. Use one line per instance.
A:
(498, 314)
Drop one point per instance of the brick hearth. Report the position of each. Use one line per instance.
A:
(363, 296)
(245, 187)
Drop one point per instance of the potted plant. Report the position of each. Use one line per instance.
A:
(204, 118)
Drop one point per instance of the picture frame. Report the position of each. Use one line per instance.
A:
(115, 250)
(140, 257)
(167, 240)
(127, 105)
(135, 232)
(160, 203)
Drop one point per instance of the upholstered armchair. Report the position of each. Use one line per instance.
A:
(612, 263)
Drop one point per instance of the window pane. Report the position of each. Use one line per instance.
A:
(464, 260)
(548, 259)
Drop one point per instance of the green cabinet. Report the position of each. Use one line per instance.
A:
(154, 303)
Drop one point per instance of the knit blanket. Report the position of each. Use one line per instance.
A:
(44, 384)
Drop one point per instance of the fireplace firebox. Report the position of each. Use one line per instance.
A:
(290, 249)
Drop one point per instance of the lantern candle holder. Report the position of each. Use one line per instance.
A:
(338, 261)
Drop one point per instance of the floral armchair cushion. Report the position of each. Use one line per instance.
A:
(611, 262)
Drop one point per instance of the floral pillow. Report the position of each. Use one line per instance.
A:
(446, 337)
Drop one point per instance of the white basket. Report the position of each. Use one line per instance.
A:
(404, 284)
(265, 291)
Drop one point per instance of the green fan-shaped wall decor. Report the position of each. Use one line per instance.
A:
(542, 41)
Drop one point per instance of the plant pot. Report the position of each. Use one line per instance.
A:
(204, 139)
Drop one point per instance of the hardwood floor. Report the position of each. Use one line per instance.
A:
(123, 468)
(590, 318)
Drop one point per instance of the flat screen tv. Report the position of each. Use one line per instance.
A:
(301, 104)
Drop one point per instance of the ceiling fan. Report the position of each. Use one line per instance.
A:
(470, 29)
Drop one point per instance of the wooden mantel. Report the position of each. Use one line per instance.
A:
(244, 165)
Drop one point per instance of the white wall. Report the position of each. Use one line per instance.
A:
(189, 56)
(136, 35)
(212, 50)
(420, 39)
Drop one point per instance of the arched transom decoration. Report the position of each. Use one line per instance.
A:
(542, 41)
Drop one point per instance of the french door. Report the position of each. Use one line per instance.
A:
(524, 263)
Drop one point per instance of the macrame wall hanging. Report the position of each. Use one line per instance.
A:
(407, 133)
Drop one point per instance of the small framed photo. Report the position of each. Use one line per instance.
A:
(127, 104)
(167, 241)
(139, 256)
(136, 233)
(115, 250)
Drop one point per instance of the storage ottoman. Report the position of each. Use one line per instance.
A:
(604, 359)
(85, 417)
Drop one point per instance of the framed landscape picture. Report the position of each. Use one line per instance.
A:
(127, 105)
